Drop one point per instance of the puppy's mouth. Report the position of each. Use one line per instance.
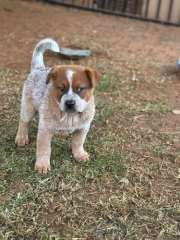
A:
(70, 110)
(71, 106)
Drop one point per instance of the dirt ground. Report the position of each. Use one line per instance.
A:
(139, 92)
(114, 39)
(23, 24)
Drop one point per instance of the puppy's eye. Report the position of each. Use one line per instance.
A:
(80, 89)
(61, 88)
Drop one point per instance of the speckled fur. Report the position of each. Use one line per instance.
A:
(37, 96)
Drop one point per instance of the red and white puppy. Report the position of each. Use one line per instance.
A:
(63, 96)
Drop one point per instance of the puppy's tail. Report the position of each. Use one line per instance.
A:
(41, 47)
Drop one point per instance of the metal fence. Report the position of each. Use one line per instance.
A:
(162, 11)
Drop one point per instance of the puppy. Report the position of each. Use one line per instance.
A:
(63, 96)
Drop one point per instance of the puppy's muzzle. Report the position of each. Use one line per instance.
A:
(70, 105)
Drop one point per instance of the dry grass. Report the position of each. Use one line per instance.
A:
(129, 188)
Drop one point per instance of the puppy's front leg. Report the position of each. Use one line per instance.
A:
(43, 151)
(77, 145)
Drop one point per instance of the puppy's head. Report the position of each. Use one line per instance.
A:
(73, 86)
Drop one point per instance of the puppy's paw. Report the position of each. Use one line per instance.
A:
(21, 139)
(81, 156)
(42, 167)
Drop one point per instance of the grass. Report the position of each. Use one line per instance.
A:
(128, 190)
(156, 107)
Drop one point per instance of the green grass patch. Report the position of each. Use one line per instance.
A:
(156, 107)
(105, 83)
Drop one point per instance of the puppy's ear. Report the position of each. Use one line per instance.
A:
(93, 76)
(51, 75)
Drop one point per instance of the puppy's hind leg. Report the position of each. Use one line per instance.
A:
(27, 113)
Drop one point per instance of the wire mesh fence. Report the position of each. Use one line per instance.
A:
(162, 11)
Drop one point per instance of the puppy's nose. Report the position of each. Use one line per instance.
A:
(70, 104)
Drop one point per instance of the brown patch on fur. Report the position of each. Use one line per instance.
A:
(81, 81)
(60, 82)
(93, 76)
(84, 78)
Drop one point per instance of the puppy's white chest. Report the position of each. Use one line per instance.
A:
(68, 124)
